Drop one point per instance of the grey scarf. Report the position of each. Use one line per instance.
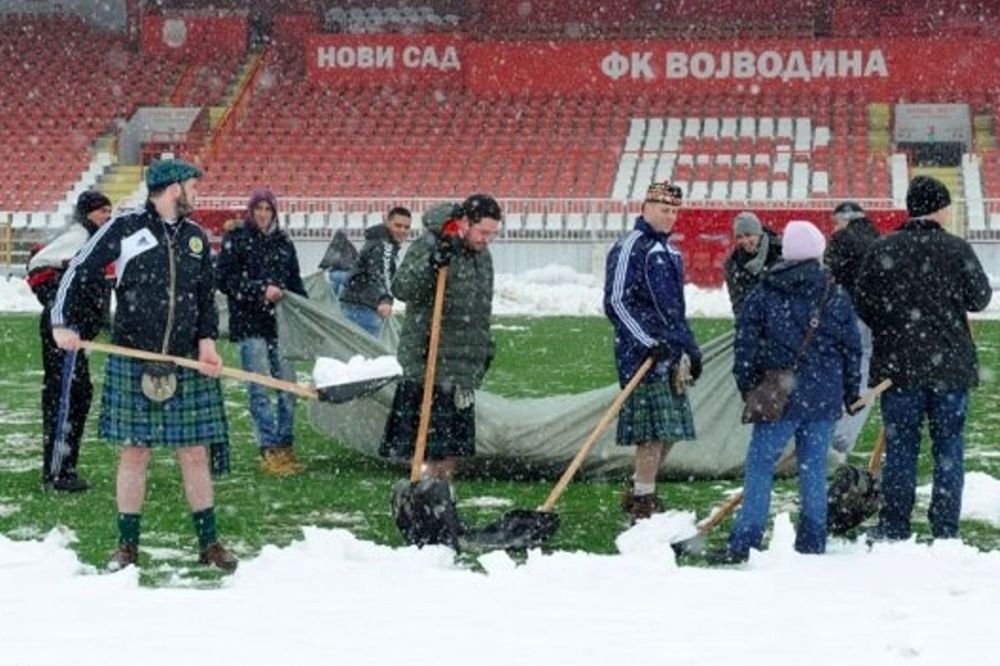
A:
(756, 265)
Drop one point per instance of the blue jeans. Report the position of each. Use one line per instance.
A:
(364, 317)
(768, 441)
(337, 280)
(903, 411)
(273, 425)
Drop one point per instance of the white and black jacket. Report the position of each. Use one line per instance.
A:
(160, 285)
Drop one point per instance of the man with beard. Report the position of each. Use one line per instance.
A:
(166, 303)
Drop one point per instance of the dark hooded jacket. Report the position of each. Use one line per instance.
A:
(251, 260)
(340, 255)
(915, 289)
(770, 329)
(466, 346)
(370, 283)
(739, 279)
(847, 250)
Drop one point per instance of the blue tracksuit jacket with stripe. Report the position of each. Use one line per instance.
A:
(644, 299)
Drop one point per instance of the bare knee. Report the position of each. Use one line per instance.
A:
(135, 456)
(192, 456)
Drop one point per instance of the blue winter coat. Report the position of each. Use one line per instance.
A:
(770, 328)
(644, 299)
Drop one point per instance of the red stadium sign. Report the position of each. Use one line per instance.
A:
(383, 58)
(871, 66)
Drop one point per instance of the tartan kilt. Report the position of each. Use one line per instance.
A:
(654, 413)
(452, 432)
(193, 416)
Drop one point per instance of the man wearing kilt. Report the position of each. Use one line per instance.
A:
(458, 236)
(165, 294)
(644, 299)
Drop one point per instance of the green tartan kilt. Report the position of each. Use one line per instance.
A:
(193, 416)
(654, 413)
(452, 432)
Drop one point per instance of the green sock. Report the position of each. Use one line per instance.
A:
(128, 529)
(204, 527)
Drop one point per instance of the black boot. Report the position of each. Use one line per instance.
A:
(67, 482)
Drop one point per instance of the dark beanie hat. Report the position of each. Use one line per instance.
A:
(90, 201)
(479, 206)
(926, 195)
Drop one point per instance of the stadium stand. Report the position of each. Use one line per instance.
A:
(54, 102)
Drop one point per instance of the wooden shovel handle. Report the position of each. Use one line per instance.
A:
(730, 505)
(420, 446)
(233, 373)
(875, 461)
(721, 513)
(599, 429)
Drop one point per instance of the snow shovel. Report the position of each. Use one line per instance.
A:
(60, 449)
(696, 545)
(855, 493)
(335, 394)
(423, 508)
(523, 528)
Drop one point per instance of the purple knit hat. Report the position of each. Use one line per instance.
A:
(262, 194)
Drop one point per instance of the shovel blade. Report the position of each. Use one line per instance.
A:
(853, 497)
(425, 513)
(692, 547)
(338, 393)
(516, 530)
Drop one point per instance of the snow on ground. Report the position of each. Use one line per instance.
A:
(331, 598)
(16, 296)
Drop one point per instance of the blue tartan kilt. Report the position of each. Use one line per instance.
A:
(193, 416)
(654, 413)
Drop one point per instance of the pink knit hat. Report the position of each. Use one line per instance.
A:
(802, 240)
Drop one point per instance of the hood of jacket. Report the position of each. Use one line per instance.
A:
(806, 277)
(436, 216)
(379, 232)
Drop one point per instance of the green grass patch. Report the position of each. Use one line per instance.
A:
(342, 488)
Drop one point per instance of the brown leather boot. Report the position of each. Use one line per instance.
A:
(640, 507)
(280, 461)
(216, 555)
(125, 555)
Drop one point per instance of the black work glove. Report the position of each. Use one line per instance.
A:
(849, 401)
(660, 351)
(444, 250)
(695, 367)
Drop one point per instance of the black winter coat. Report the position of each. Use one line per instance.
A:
(846, 252)
(138, 245)
(739, 280)
(371, 280)
(251, 260)
(914, 290)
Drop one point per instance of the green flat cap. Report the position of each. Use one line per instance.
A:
(167, 172)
